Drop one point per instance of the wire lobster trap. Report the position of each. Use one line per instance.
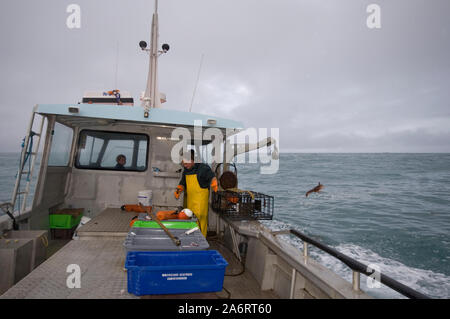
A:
(243, 205)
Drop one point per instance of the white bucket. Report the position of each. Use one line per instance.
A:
(145, 197)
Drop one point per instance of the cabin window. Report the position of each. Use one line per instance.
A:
(103, 150)
(61, 145)
(207, 155)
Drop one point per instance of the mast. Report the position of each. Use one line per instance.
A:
(151, 95)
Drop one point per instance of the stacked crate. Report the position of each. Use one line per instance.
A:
(156, 265)
(64, 222)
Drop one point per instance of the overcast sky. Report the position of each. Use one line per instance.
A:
(311, 68)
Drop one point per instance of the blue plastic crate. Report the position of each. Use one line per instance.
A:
(159, 273)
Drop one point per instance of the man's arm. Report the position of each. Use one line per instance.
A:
(181, 186)
(209, 177)
(183, 180)
(207, 174)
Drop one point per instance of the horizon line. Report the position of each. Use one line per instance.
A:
(313, 152)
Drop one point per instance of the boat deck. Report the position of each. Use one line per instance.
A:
(102, 273)
(102, 261)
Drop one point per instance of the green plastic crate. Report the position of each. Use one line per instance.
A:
(64, 221)
(168, 224)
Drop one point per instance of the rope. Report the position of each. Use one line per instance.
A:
(44, 240)
(30, 147)
(20, 157)
(196, 83)
(29, 162)
(22, 165)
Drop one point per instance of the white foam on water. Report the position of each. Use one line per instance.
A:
(435, 285)
(276, 225)
(432, 284)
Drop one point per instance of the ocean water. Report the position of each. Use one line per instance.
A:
(391, 210)
(9, 164)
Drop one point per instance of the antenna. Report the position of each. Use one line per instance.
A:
(151, 98)
(117, 66)
(198, 77)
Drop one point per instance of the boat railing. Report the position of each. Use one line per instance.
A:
(357, 267)
(10, 217)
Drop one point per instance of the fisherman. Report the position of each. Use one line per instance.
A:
(196, 180)
(121, 161)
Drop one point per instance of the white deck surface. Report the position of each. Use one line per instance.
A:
(102, 273)
(103, 276)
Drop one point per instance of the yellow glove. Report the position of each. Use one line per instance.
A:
(214, 185)
(178, 191)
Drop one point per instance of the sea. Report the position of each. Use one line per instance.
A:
(390, 210)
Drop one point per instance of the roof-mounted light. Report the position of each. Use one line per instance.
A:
(165, 47)
(143, 45)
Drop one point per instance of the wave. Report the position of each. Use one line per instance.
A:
(432, 284)
(435, 285)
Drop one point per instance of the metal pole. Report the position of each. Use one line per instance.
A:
(294, 276)
(176, 240)
(22, 159)
(356, 280)
(305, 249)
(149, 99)
(361, 268)
(33, 157)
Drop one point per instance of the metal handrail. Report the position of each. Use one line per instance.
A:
(356, 266)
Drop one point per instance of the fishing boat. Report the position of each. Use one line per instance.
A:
(80, 144)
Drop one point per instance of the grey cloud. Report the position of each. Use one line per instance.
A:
(311, 68)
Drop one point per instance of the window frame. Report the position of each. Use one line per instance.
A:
(77, 153)
(52, 133)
